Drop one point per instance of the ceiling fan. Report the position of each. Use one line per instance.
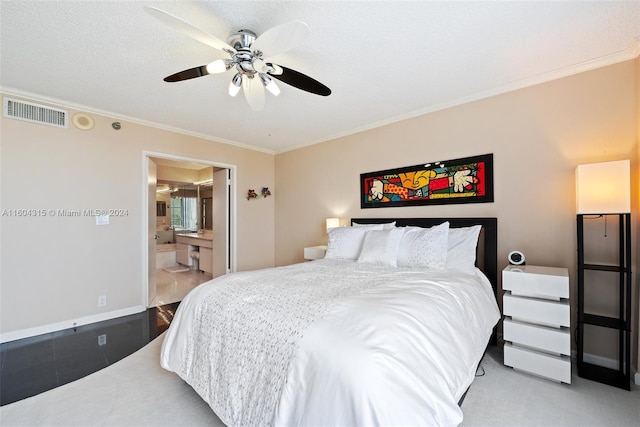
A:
(253, 73)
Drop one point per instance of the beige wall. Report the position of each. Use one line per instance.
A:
(538, 135)
(53, 267)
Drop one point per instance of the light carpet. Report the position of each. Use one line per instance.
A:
(506, 397)
(136, 391)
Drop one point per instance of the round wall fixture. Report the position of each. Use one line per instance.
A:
(516, 258)
(82, 121)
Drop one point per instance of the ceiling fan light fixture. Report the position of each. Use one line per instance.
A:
(269, 84)
(218, 66)
(235, 85)
(246, 51)
(274, 69)
(260, 66)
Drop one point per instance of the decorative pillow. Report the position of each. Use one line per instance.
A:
(462, 248)
(381, 246)
(424, 247)
(346, 242)
(385, 226)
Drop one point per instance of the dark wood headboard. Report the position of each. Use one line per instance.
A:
(487, 259)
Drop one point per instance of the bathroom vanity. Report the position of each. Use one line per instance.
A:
(189, 242)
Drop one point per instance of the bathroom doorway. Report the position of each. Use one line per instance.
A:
(189, 235)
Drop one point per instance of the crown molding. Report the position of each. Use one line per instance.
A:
(117, 116)
(631, 52)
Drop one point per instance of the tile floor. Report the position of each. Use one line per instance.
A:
(33, 365)
(172, 287)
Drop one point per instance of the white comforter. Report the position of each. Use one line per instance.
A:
(333, 342)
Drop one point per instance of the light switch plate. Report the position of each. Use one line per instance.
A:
(102, 219)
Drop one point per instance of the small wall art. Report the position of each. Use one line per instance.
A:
(251, 194)
(465, 180)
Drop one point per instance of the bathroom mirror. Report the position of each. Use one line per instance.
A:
(184, 206)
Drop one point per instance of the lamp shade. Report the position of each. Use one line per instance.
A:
(603, 188)
(332, 223)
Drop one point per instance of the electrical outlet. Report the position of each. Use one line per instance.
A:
(102, 339)
(102, 301)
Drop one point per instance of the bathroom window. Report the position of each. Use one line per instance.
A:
(184, 213)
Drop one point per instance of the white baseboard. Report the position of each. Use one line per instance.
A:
(72, 323)
(607, 363)
(600, 361)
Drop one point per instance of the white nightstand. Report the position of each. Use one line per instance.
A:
(537, 321)
(315, 252)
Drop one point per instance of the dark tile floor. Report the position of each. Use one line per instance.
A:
(33, 365)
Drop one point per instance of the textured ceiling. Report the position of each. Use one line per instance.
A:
(384, 60)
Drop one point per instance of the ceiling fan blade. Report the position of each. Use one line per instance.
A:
(281, 38)
(254, 93)
(191, 73)
(188, 29)
(301, 81)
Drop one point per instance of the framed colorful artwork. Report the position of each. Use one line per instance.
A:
(466, 180)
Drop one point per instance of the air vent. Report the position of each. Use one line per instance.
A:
(35, 113)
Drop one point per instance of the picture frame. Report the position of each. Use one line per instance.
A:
(463, 180)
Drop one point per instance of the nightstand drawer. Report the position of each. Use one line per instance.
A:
(540, 282)
(542, 312)
(553, 367)
(555, 340)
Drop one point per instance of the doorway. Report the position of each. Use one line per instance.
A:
(187, 200)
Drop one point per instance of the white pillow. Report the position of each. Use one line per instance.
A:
(424, 247)
(346, 242)
(381, 246)
(385, 226)
(462, 248)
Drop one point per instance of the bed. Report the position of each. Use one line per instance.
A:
(390, 337)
